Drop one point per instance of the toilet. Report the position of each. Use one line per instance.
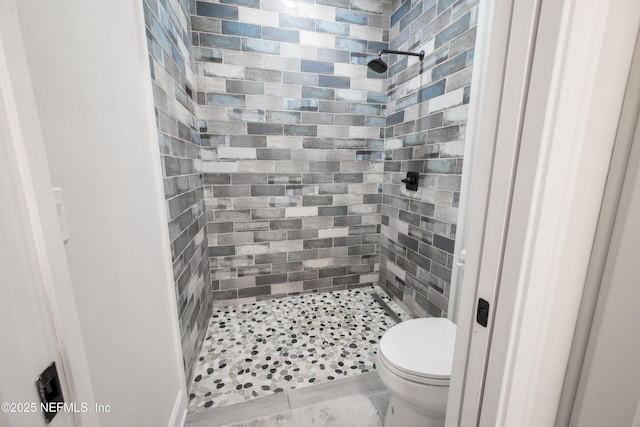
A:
(414, 363)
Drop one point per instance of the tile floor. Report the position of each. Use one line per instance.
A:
(256, 350)
(368, 385)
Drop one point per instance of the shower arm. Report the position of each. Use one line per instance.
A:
(401, 52)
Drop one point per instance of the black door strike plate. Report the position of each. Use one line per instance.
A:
(482, 315)
(50, 391)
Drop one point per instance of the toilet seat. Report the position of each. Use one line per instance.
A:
(384, 364)
(420, 350)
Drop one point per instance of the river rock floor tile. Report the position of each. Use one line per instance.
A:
(254, 350)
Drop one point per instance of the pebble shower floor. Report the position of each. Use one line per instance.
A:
(254, 350)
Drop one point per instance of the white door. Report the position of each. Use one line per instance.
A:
(38, 318)
(27, 338)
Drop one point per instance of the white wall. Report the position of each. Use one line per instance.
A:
(609, 389)
(91, 80)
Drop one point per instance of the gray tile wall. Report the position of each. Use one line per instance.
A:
(283, 153)
(425, 129)
(292, 126)
(169, 43)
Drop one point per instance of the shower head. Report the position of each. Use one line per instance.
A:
(379, 66)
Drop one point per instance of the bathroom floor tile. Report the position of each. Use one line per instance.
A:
(256, 350)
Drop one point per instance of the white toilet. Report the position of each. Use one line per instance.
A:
(414, 363)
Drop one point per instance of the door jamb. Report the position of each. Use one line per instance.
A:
(560, 175)
(498, 95)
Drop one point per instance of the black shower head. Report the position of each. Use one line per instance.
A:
(379, 66)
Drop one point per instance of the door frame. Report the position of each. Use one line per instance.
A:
(499, 89)
(608, 262)
(546, 101)
(33, 182)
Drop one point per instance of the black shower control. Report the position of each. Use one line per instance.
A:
(411, 181)
(482, 315)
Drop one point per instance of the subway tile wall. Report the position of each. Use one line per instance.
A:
(292, 125)
(169, 45)
(425, 129)
(283, 154)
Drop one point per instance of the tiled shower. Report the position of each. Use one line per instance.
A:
(292, 125)
(283, 153)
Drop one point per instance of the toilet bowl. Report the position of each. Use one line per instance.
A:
(414, 363)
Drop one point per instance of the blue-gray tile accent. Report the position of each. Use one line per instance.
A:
(449, 67)
(373, 121)
(333, 55)
(262, 75)
(375, 47)
(366, 109)
(351, 44)
(248, 3)
(279, 34)
(302, 104)
(247, 87)
(261, 46)
(398, 14)
(333, 81)
(360, 58)
(305, 130)
(377, 97)
(289, 21)
(454, 30)
(317, 93)
(431, 91)
(264, 129)
(224, 42)
(332, 28)
(444, 4)
(240, 29)
(395, 118)
(399, 66)
(283, 117)
(216, 10)
(409, 17)
(295, 78)
(226, 100)
(352, 17)
(316, 67)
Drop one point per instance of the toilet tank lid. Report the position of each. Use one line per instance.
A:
(422, 347)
